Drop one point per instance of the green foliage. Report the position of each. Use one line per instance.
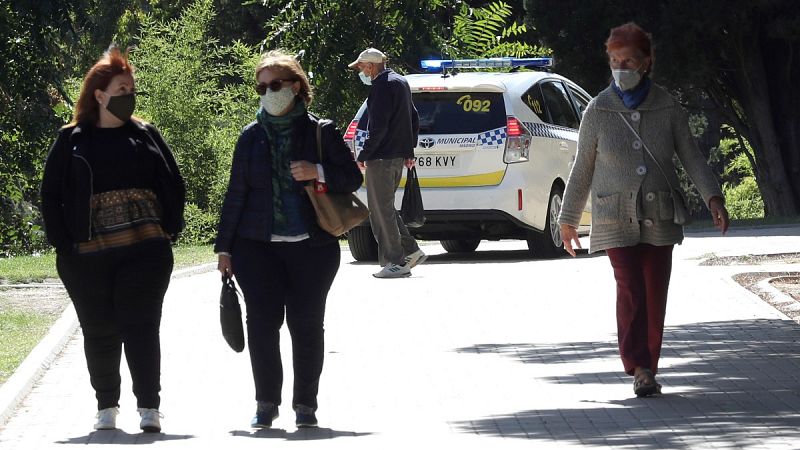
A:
(196, 93)
(742, 195)
(201, 226)
(334, 32)
(484, 32)
(743, 200)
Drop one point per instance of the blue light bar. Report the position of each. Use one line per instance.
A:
(433, 65)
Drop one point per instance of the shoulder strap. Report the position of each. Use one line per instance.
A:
(658, 164)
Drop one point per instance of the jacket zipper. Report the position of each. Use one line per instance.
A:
(91, 187)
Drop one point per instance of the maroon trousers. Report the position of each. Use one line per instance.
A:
(642, 273)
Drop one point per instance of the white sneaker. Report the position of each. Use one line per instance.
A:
(151, 420)
(415, 259)
(106, 419)
(392, 270)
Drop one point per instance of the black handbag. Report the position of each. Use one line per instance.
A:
(230, 315)
(411, 210)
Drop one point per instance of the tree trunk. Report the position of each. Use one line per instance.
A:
(785, 96)
(751, 80)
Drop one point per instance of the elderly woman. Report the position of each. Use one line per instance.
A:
(269, 238)
(632, 207)
(112, 200)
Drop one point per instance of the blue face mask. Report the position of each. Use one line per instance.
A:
(365, 78)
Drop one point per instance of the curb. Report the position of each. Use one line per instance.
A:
(21, 382)
(31, 370)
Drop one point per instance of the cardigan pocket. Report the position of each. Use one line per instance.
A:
(665, 207)
(605, 209)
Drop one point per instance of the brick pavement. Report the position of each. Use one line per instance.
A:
(492, 351)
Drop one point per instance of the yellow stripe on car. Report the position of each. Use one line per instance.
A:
(484, 179)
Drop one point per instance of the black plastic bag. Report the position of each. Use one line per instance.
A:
(411, 211)
(230, 315)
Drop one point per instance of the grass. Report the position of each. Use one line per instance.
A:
(19, 333)
(33, 269)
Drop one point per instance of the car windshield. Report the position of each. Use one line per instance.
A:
(459, 112)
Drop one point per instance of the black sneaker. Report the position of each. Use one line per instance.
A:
(266, 412)
(305, 417)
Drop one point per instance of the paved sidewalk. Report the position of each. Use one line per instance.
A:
(486, 351)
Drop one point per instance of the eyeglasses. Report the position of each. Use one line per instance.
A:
(274, 86)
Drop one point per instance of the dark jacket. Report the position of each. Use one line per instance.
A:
(67, 184)
(247, 208)
(393, 120)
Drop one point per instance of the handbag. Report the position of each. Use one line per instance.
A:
(230, 315)
(337, 212)
(411, 210)
(680, 212)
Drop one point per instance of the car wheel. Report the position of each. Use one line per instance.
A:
(548, 244)
(460, 245)
(362, 244)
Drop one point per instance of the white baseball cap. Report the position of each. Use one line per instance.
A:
(370, 55)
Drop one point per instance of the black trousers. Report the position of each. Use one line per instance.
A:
(118, 296)
(291, 279)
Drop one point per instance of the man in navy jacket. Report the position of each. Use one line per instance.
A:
(393, 127)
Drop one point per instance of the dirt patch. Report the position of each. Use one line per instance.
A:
(48, 298)
(789, 285)
(752, 260)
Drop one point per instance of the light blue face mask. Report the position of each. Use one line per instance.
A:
(365, 78)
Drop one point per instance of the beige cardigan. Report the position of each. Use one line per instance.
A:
(631, 200)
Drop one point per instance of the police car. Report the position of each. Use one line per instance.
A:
(494, 153)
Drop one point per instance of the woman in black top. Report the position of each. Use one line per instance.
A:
(112, 200)
(269, 239)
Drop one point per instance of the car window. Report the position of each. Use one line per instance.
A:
(459, 112)
(533, 100)
(558, 104)
(580, 101)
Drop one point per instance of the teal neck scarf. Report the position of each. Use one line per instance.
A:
(279, 130)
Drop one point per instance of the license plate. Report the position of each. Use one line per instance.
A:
(437, 161)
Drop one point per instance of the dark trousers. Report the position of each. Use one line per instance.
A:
(642, 273)
(291, 279)
(118, 296)
(394, 241)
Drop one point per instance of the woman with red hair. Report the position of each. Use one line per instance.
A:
(627, 139)
(112, 201)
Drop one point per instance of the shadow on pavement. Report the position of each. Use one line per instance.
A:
(487, 256)
(731, 382)
(301, 434)
(119, 437)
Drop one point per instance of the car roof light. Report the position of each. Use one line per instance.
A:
(435, 65)
(513, 127)
(432, 88)
(350, 134)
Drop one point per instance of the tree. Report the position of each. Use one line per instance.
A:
(197, 93)
(740, 54)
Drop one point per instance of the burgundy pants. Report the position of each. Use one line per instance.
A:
(642, 273)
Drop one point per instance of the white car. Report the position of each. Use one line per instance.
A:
(494, 153)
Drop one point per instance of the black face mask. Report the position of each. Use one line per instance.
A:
(122, 106)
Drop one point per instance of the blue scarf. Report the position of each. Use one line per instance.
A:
(634, 97)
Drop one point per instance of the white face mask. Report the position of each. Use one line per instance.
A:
(626, 79)
(274, 103)
(365, 78)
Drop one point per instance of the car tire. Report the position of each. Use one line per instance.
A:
(460, 245)
(548, 244)
(362, 244)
